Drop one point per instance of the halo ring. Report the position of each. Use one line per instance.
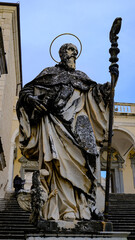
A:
(60, 36)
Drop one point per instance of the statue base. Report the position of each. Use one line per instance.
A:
(115, 236)
(75, 226)
(76, 230)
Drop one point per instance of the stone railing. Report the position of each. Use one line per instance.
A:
(124, 108)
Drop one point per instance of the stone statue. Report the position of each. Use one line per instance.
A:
(63, 117)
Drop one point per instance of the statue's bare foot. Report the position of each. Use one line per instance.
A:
(69, 216)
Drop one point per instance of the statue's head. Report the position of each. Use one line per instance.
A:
(68, 53)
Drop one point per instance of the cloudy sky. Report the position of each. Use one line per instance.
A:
(42, 20)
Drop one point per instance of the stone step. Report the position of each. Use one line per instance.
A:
(15, 212)
(122, 200)
(18, 225)
(13, 231)
(122, 221)
(14, 221)
(14, 215)
(12, 224)
(121, 207)
(132, 214)
(121, 195)
(12, 236)
(14, 218)
(131, 237)
(19, 209)
(126, 205)
(11, 210)
(10, 207)
(9, 203)
(124, 224)
(118, 218)
(122, 212)
(131, 199)
(122, 204)
(121, 229)
(17, 231)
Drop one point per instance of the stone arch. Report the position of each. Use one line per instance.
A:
(123, 141)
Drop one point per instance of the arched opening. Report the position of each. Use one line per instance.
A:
(122, 143)
(116, 176)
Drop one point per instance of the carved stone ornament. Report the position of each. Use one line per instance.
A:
(116, 159)
(63, 116)
(28, 164)
(132, 155)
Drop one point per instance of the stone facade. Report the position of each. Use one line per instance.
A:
(9, 23)
(123, 154)
(123, 148)
(124, 141)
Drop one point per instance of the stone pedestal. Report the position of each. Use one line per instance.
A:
(99, 236)
(74, 226)
(78, 230)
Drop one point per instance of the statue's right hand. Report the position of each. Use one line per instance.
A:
(36, 103)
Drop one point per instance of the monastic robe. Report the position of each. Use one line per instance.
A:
(64, 138)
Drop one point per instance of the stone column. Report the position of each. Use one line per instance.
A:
(119, 185)
(9, 188)
(132, 158)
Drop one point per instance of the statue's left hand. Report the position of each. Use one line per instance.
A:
(113, 69)
(106, 88)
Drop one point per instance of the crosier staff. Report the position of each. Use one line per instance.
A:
(113, 69)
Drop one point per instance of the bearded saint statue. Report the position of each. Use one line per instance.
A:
(63, 117)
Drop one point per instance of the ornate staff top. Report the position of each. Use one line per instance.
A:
(115, 29)
(114, 50)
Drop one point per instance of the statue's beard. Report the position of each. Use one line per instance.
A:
(70, 62)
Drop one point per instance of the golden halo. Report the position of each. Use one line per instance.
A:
(60, 36)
